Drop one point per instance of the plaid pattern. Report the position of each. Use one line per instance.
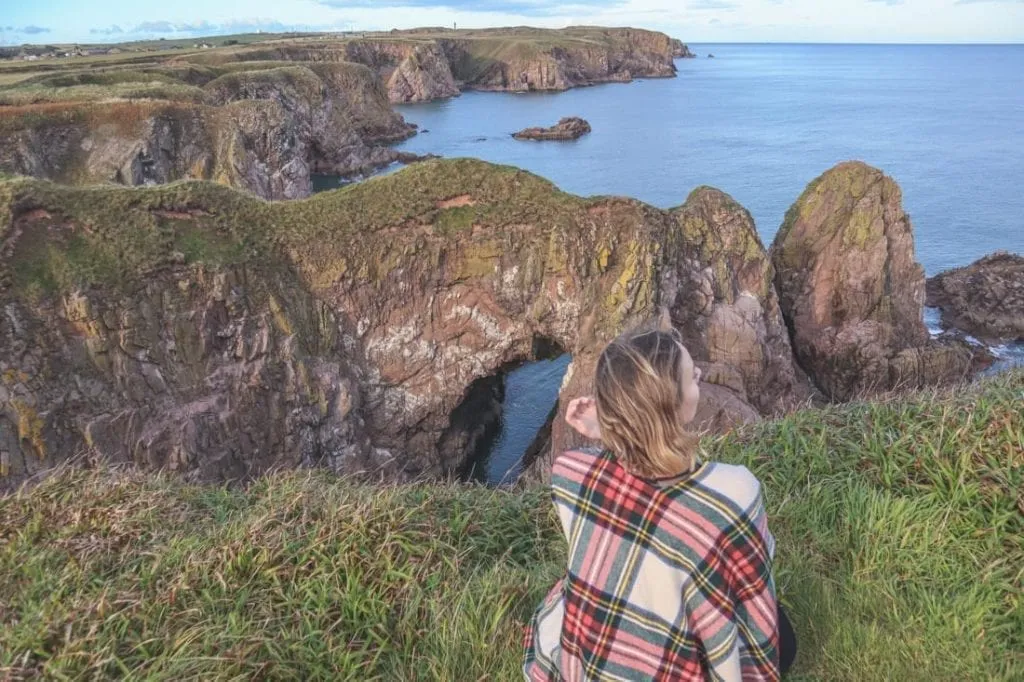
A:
(665, 581)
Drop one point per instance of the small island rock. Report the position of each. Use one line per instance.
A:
(984, 299)
(570, 128)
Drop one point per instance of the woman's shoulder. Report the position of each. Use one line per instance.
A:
(732, 481)
(573, 465)
(577, 456)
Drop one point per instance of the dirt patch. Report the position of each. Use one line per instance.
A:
(455, 202)
(36, 214)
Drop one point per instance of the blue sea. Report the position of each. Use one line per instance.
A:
(761, 121)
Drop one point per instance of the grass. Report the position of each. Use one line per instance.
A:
(900, 530)
(34, 94)
(128, 233)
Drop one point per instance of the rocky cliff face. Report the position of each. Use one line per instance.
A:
(411, 72)
(681, 51)
(263, 130)
(559, 60)
(191, 327)
(170, 349)
(852, 292)
(984, 299)
(724, 301)
(423, 65)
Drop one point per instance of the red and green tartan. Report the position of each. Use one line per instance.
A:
(665, 581)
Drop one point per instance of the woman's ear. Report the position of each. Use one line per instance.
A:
(664, 323)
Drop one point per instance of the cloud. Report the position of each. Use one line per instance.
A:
(154, 27)
(201, 28)
(113, 30)
(195, 27)
(889, 2)
(33, 30)
(712, 4)
(520, 7)
(978, 2)
(265, 25)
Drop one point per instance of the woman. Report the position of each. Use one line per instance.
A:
(669, 573)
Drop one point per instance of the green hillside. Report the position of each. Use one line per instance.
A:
(901, 557)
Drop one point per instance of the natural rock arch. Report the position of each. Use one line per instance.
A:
(403, 291)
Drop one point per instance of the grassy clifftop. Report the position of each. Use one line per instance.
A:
(130, 233)
(901, 556)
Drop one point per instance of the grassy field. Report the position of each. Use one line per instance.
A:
(901, 557)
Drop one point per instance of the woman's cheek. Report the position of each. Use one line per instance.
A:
(692, 398)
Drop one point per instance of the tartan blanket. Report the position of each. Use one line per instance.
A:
(665, 580)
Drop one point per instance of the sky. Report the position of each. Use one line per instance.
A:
(695, 21)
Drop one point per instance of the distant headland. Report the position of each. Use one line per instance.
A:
(262, 112)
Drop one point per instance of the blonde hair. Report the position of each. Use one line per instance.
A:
(639, 392)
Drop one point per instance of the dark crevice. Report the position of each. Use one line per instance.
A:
(476, 423)
(505, 421)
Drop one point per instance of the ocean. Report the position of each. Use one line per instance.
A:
(760, 122)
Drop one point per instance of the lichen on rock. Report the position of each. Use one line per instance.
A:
(852, 292)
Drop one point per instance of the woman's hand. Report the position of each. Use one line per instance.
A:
(582, 416)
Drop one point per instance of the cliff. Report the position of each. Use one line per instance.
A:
(681, 51)
(427, 64)
(262, 127)
(195, 328)
(189, 327)
(532, 59)
(852, 292)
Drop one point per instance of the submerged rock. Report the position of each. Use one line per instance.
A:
(852, 292)
(570, 128)
(984, 299)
